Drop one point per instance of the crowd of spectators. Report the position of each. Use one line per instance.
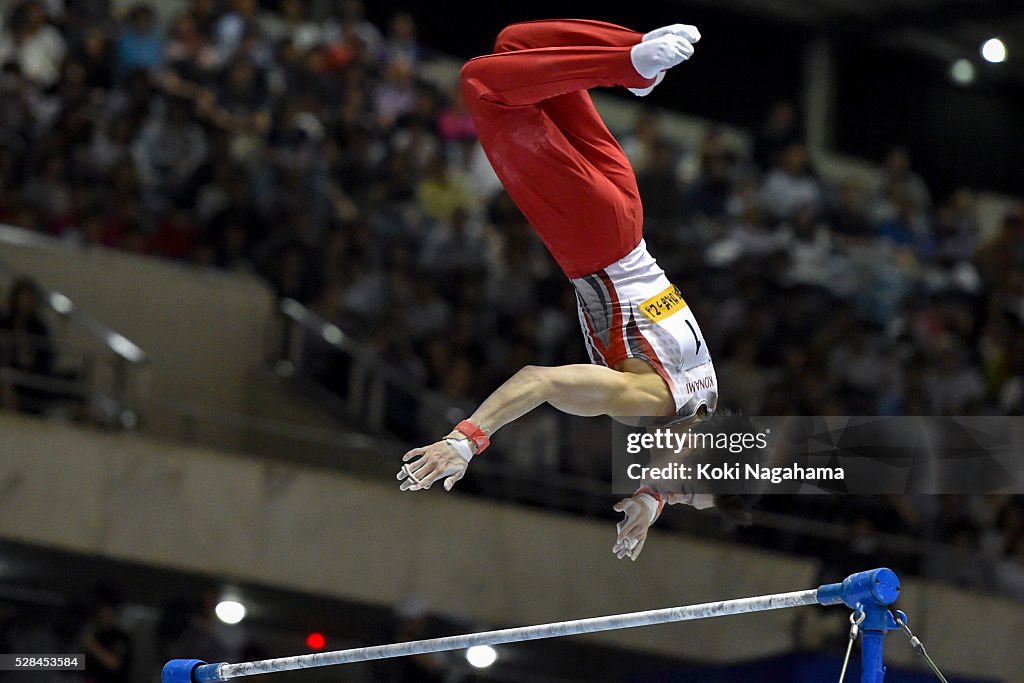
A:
(300, 142)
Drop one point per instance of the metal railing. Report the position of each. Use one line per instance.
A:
(96, 371)
(306, 339)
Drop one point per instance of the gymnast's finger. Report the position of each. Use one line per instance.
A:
(413, 453)
(409, 470)
(409, 485)
(633, 529)
(411, 478)
(690, 32)
(430, 473)
(450, 481)
(413, 465)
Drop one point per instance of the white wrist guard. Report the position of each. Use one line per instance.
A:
(650, 502)
(462, 446)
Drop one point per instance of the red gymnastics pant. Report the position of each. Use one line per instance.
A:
(547, 143)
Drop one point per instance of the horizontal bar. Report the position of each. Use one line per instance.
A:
(209, 673)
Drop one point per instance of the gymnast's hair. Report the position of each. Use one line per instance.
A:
(734, 500)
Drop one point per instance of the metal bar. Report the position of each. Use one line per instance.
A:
(208, 673)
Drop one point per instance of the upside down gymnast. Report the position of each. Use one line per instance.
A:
(572, 181)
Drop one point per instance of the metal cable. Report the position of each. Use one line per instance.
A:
(918, 646)
(855, 623)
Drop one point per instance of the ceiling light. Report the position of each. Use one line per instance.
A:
(230, 611)
(994, 50)
(481, 656)
(962, 72)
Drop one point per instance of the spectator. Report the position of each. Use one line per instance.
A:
(189, 56)
(955, 386)
(956, 229)
(849, 217)
(33, 44)
(641, 144)
(455, 124)
(26, 349)
(710, 193)
(401, 40)
(140, 45)
(453, 250)
(292, 24)
(441, 193)
(176, 236)
(108, 647)
(95, 54)
(351, 27)
(899, 182)
(790, 186)
(660, 189)
(396, 94)
(169, 151)
(230, 29)
(778, 134)
(16, 111)
(293, 276)
(1002, 259)
(906, 228)
(743, 377)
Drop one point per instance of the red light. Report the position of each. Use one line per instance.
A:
(315, 641)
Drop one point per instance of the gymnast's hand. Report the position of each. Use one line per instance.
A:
(633, 528)
(437, 461)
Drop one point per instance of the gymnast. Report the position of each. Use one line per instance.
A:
(572, 181)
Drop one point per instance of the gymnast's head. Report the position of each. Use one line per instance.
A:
(721, 444)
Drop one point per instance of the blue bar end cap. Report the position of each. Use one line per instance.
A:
(874, 587)
(180, 670)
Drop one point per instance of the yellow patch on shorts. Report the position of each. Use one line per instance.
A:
(663, 304)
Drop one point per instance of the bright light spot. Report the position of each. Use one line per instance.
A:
(333, 334)
(994, 50)
(962, 72)
(60, 303)
(315, 641)
(230, 611)
(481, 656)
(123, 347)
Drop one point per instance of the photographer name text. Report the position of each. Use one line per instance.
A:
(734, 472)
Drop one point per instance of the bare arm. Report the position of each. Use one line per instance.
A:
(585, 390)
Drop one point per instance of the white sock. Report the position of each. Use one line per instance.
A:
(682, 30)
(656, 55)
(644, 92)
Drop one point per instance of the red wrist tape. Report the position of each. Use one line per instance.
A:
(475, 434)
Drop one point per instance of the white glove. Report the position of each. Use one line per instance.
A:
(640, 511)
